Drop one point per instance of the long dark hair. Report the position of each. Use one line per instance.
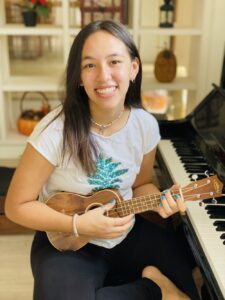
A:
(76, 134)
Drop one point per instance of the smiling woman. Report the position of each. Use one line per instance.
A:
(106, 72)
(100, 138)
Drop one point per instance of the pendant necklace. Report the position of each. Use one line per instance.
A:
(102, 127)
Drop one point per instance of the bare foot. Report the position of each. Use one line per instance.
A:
(198, 279)
(168, 289)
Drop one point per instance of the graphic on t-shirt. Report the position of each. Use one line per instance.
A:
(106, 175)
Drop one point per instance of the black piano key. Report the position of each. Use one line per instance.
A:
(194, 170)
(220, 228)
(193, 162)
(217, 216)
(220, 225)
(216, 211)
(185, 152)
(215, 208)
(220, 200)
(222, 236)
(193, 157)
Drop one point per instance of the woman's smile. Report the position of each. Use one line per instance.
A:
(106, 91)
(106, 71)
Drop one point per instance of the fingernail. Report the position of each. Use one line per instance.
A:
(160, 204)
(166, 191)
(177, 196)
(163, 197)
(112, 201)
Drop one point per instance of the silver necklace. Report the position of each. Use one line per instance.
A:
(102, 127)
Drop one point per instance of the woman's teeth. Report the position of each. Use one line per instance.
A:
(106, 90)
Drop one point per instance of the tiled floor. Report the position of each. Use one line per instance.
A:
(16, 282)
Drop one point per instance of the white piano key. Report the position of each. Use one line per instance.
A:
(205, 231)
(173, 162)
(210, 241)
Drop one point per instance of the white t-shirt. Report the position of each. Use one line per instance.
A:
(118, 161)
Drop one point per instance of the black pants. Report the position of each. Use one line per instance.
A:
(96, 273)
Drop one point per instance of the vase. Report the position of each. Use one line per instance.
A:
(165, 66)
(29, 18)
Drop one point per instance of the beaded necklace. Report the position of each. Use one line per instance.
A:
(102, 127)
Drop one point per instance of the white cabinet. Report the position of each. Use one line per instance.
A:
(198, 43)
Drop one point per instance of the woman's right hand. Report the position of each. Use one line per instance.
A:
(95, 224)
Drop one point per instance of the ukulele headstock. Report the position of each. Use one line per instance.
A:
(210, 187)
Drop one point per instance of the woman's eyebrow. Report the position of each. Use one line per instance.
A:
(86, 57)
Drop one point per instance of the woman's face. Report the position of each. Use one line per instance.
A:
(106, 70)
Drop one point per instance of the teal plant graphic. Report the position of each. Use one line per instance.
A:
(106, 175)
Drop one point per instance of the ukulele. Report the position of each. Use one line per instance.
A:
(71, 203)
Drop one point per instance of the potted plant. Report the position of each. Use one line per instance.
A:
(31, 9)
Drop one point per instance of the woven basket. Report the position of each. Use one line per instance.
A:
(29, 118)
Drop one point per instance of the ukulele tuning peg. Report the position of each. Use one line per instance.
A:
(214, 201)
(194, 177)
(202, 203)
(207, 173)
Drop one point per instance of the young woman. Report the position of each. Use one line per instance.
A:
(100, 138)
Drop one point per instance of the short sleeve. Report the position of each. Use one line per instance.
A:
(151, 133)
(47, 138)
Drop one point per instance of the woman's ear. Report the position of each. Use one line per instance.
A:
(134, 68)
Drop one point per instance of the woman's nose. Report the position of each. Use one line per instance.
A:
(104, 72)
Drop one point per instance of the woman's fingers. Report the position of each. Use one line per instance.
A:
(180, 203)
(97, 224)
(171, 204)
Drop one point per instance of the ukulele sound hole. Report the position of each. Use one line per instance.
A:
(95, 205)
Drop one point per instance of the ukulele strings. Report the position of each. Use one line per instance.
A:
(144, 203)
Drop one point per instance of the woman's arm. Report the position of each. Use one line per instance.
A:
(21, 204)
(143, 185)
(23, 208)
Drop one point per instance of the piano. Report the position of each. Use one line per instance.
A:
(195, 147)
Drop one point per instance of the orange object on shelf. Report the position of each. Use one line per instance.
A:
(155, 101)
(29, 118)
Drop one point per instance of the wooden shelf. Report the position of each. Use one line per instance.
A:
(32, 83)
(180, 83)
(197, 43)
(186, 31)
(20, 29)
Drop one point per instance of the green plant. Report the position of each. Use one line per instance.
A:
(41, 7)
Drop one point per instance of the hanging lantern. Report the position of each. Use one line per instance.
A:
(166, 14)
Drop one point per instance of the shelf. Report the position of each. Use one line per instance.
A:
(20, 29)
(74, 31)
(188, 31)
(179, 83)
(45, 65)
(14, 138)
(32, 83)
(13, 146)
(195, 40)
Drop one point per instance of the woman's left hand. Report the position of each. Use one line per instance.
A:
(171, 204)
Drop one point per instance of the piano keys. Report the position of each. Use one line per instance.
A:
(193, 148)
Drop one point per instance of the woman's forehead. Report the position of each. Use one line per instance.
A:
(103, 42)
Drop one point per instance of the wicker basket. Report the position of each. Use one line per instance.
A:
(29, 118)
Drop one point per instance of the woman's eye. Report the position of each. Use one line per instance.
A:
(115, 62)
(89, 66)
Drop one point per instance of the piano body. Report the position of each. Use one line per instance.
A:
(191, 146)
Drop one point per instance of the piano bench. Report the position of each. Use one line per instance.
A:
(7, 226)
